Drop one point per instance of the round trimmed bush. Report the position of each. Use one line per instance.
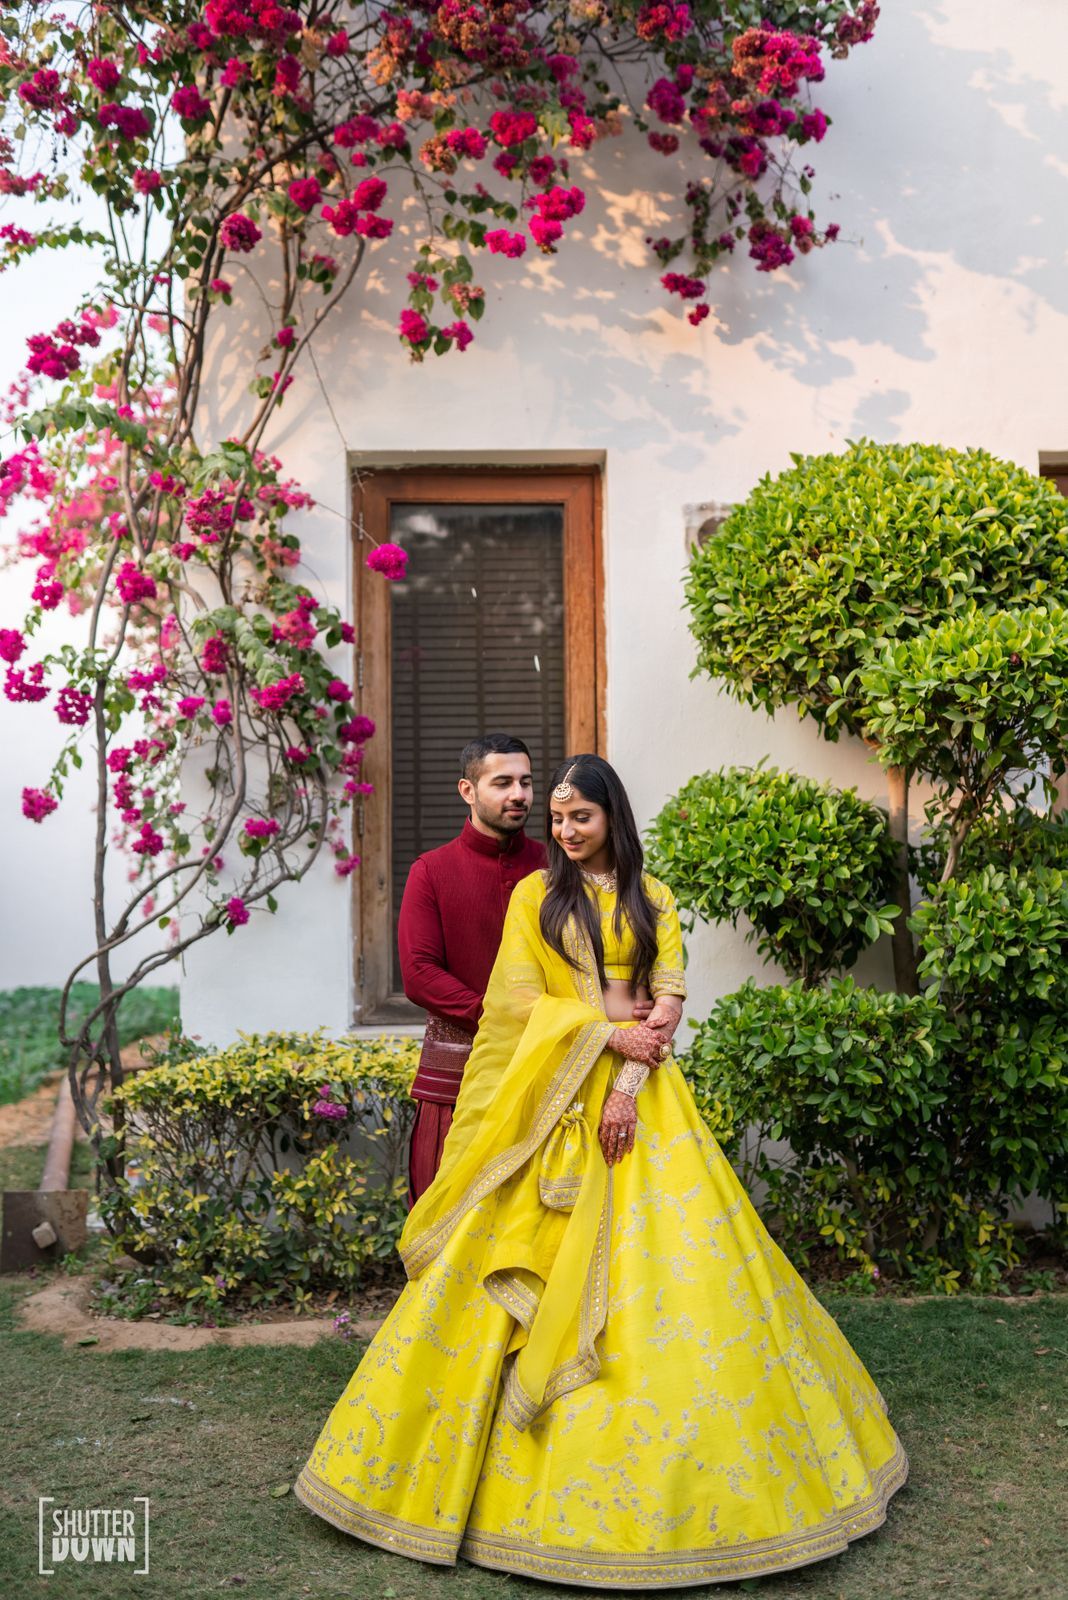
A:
(811, 866)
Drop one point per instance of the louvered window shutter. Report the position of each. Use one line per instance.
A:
(477, 632)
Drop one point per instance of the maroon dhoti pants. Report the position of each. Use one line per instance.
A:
(437, 1084)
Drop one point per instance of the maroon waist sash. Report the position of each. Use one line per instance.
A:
(446, 1048)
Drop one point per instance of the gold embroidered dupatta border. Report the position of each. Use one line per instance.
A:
(523, 1401)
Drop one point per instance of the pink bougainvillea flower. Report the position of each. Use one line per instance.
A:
(358, 731)
(189, 104)
(458, 333)
(12, 644)
(189, 705)
(337, 690)
(513, 127)
(129, 122)
(305, 193)
(38, 804)
(146, 180)
(261, 827)
(103, 75)
(133, 584)
(276, 696)
(215, 657)
(500, 242)
(148, 841)
(236, 912)
(414, 327)
(390, 560)
(239, 233)
(222, 713)
(73, 706)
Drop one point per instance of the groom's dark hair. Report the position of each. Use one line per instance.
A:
(475, 752)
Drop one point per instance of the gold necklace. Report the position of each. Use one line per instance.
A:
(603, 880)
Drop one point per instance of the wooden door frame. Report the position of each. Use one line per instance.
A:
(578, 490)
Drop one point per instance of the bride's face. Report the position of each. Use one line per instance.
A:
(580, 827)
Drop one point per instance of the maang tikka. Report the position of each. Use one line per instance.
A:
(564, 790)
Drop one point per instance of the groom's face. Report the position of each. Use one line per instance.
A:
(502, 794)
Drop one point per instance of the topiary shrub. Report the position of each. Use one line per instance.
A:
(809, 865)
(905, 1147)
(828, 560)
(241, 1188)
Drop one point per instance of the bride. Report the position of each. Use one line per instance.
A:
(602, 1371)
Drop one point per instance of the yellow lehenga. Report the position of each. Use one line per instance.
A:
(608, 1377)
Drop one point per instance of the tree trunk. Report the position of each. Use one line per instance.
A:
(905, 978)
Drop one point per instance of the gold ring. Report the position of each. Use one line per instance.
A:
(665, 1051)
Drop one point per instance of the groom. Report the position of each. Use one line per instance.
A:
(451, 921)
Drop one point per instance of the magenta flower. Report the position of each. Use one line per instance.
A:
(73, 706)
(133, 584)
(261, 827)
(12, 644)
(190, 104)
(305, 193)
(413, 327)
(678, 283)
(129, 122)
(222, 714)
(239, 233)
(118, 760)
(357, 731)
(337, 690)
(148, 842)
(348, 634)
(147, 180)
(512, 127)
(215, 656)
(276, 696)
(220, 286)
(189, 705)
(390, 560)
(28, 686)
(47, 594)
(460, 333)
(236, 912)
(499, 242)
(103, 75)
(38, 804)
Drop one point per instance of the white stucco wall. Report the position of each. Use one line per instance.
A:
(942, 314)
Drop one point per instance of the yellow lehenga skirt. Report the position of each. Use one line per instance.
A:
(608, 1377)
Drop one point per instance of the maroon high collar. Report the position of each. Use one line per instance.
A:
(485, 844)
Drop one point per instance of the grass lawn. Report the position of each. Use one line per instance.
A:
(977, 1388)
(29, 1023)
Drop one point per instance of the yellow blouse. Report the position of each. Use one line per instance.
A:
(668, 976)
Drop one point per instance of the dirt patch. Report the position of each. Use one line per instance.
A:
(63, 1308)
(29, 1121)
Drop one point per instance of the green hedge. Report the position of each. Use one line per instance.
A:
(909, 1132)
(238, 1187)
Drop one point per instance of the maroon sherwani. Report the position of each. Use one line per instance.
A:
(451, 921)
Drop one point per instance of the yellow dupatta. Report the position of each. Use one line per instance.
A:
(523, 1141)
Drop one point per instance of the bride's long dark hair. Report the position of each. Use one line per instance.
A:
(567, 894)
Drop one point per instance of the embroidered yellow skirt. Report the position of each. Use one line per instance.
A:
(721, 1428)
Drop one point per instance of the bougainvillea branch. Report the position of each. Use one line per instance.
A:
(233, 135)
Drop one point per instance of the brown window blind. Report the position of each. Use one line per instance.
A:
(477, 645)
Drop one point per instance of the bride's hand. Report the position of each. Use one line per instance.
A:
(665, 1016)
(638, 1044)
(619, 1122)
